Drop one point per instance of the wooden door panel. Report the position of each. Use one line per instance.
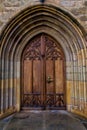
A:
(27, 76)
(59, 76)
(49, 77)
(36, 76)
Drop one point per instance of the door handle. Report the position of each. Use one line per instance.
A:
(49, 79)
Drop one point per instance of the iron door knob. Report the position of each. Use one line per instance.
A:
(49, 79)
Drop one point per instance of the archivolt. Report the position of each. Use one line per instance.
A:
(28, 23)
(47, 18)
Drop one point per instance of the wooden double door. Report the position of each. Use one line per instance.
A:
(43, 74)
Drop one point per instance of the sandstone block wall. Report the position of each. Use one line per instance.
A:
(8, 8)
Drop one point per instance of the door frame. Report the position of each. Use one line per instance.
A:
(64, 69)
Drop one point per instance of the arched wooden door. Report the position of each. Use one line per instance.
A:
(43, 74)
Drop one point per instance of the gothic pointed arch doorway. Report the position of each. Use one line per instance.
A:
(43, 85)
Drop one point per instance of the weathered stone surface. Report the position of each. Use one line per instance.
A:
(1, 23)
(83, 18)
(45, 120)
(2, 1)
(85, 3)
(8, 8)
(80, 11)
(73, 3)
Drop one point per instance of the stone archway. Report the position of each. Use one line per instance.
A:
(65, 29)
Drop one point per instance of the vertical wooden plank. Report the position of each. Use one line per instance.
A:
(36, 76)
(59, 76)
(27, 76)
(43, 78)
(49, 73)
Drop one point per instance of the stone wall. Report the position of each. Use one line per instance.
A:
(8, 8)
(72, 39)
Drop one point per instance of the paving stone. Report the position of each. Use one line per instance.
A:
(45, 120)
